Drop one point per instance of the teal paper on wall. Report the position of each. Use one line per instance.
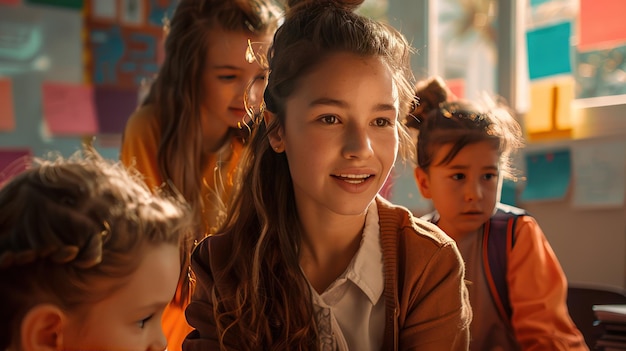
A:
(71, 4)
(548, 175)
(538, 2)
(549, 50)
(508, 195)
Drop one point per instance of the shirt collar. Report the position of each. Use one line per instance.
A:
(366, 270)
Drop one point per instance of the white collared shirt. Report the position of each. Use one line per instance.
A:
(351, 313)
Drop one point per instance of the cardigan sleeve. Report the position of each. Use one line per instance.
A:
(439, 313)
(140, 146)
(199, 312)
(538, 292)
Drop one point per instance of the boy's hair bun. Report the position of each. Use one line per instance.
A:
(429, 94)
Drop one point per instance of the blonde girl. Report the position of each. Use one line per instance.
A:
(187, 136)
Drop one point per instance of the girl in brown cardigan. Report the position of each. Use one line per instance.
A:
(309, 256)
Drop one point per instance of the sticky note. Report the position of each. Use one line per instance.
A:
(548, 175)
(549, 50)
(601, 24)
(68, 108)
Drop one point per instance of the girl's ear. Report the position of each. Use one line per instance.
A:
(42, 328)
(276, 136)
(423, 183)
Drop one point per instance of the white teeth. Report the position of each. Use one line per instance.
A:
(354, 176)
(353, 181)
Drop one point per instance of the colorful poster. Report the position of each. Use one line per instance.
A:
(124, 41)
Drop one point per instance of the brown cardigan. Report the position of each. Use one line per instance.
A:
(426, 300)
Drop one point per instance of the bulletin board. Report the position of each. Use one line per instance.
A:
(70, 72)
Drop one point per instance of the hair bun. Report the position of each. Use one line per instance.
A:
(429, 94)
(349, 5)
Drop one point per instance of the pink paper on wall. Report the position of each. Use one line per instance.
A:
(457, 87)
(601, 24)
(69, 109)
(7, 112)
(10, 2)
(13, 162)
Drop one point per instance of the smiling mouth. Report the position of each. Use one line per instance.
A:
(353, 178)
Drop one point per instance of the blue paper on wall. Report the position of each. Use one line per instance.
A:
(537, 2)
(548, 175)
(549, 50)
(508, 195)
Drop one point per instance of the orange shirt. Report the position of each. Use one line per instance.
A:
(140, 145)
(537, 293)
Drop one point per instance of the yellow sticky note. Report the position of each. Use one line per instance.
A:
(539, 116)
(564, 97)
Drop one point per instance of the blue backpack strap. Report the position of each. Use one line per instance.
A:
(498, 241)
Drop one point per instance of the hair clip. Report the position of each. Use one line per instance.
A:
(105, 233)
(257, 54)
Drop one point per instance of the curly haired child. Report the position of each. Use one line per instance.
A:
(89, 257)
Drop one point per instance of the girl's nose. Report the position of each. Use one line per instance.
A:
(358, 144)
(473, 191)
(160, 342)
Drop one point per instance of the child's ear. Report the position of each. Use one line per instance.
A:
(276, 136)
(42, 328)
(423, 183)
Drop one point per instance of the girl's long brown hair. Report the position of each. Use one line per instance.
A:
(177, 92)
(271, 308)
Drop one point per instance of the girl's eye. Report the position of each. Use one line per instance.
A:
(142, 323)
(329, 119)
(228, 77)
(458, 176)
(490, 176)
(382, 122)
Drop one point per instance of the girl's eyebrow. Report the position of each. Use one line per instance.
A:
(226, 67)
(339, 103)
(495, 168)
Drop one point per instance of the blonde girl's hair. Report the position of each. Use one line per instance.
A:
(271, 307)
(177, 95)
(66, 224)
